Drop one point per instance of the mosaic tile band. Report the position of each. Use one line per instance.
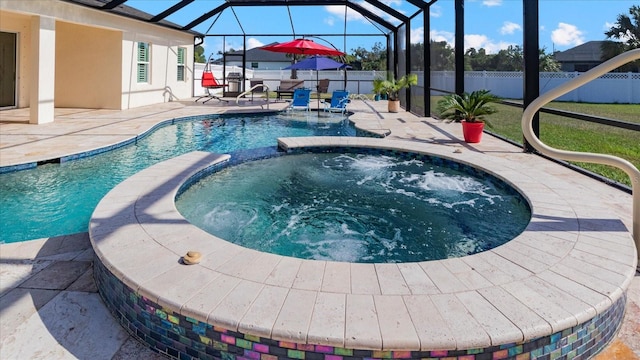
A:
(180, 337)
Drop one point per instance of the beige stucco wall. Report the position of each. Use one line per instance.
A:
(76, 76)
(87, 59)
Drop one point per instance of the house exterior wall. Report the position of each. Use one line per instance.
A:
(96, 56)
(163, 85)
(85, 68)
(262, 65)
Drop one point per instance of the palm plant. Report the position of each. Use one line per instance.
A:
(469, 107)
(378, 86)
(392, 86)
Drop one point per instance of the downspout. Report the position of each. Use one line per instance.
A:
(193, 64)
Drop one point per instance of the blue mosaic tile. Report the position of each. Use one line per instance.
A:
(19, 167)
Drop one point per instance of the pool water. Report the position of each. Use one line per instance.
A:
(355, 208)
(58, 199)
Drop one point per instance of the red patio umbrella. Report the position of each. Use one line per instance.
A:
(302, 46)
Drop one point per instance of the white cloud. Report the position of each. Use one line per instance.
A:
(436, 11)
(235, 46)
(567, 34)
(338, 11)
(478, 41)
(509, 28)
(391, 3)
(492, 3)
(254, 43)
(417, 35)
(329, 21)
(394, 4)
(607, 25)
(352, 15)
(438, 35)
(475, 41)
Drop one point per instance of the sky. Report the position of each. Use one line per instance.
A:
(489, 24)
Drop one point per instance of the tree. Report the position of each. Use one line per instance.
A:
(442, 56)
(478, 60)
(509, 59)
(417, 57)
(363, 59)
(626, 30)
(198, 54)
(548, 63)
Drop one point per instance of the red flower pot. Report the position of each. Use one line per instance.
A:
(472, 131)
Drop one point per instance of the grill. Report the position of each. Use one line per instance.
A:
(233, 78)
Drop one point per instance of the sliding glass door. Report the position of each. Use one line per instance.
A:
(8, 42)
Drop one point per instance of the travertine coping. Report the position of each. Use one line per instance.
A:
(571, 263)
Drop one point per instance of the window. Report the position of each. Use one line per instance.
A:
(143, 62)
(182, 52)
(254, 65)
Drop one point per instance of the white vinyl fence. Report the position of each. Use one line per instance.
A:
(621, 88)
(610, 88)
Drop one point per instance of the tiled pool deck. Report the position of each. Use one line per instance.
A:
(582, 265)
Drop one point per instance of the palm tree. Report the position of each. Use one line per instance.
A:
(626, 30)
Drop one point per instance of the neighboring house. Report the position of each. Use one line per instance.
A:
(73, 54)
(580, 58)
(257, 59)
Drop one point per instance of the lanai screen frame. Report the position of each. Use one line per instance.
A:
(397, 63)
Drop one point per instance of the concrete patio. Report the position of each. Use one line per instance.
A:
(49, 306)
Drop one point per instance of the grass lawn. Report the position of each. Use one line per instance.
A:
(577, 135)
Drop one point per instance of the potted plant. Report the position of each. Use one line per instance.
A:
(469, 109)
(378, 87)
(392, 88)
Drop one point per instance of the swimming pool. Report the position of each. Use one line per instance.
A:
(357, 207)
(57, 199)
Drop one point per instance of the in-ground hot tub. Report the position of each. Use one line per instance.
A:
(556, 289)
(365, 206)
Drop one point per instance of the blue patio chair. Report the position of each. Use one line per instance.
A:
(301, 99)
(339, 101)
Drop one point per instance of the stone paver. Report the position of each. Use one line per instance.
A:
(22, 316)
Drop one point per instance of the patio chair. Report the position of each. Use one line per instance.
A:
(323, 86)
(209, 82)
(338, 103)
(301, 99)
(287, 87)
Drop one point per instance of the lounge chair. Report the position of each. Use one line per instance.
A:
(301, 99)
(209, 82)
(288, 86)
(323, 86)
(339, 101)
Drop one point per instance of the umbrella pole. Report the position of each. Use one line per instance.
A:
(318, 89)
